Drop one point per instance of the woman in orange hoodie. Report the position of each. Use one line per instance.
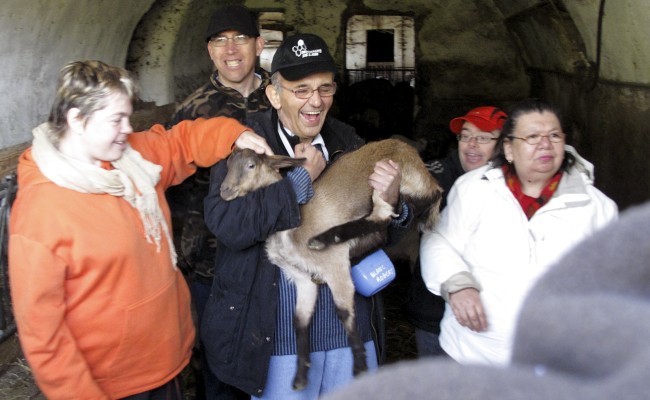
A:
(102, 311)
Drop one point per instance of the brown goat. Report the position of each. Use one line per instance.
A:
(344, 220)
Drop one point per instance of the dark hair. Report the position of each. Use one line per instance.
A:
(527, 106)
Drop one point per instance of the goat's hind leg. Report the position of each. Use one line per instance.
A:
(306, 296)
(343, 293)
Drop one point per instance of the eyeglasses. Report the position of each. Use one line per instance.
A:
(306, 93)
(221, 41)
(483, 139)
(536, 138)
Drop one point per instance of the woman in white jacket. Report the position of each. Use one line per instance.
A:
(504, 225)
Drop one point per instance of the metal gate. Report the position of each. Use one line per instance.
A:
(7, 195)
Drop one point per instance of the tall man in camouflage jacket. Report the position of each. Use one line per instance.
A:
(236, 89)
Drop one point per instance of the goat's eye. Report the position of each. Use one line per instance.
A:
(250, 165)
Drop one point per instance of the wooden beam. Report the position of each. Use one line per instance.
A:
(9, 158)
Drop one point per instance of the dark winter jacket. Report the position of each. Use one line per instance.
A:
(240, 317)
(423, 308)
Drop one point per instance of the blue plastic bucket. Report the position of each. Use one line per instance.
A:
(373, 273)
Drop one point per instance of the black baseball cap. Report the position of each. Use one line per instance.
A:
(232, 18)
(302, 55)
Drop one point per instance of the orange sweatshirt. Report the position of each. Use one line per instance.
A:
(100, 313)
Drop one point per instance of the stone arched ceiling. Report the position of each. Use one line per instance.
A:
(42, 35)
(38, 37)
(167, 50)
(569, 35)
(467, 52)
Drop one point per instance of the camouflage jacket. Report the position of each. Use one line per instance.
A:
(214, 99)
(195, 243)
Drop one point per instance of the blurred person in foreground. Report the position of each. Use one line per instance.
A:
(578, 336)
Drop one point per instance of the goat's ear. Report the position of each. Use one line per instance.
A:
(278, 162)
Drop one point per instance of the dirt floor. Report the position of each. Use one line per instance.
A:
(400, 334)
(16, 381)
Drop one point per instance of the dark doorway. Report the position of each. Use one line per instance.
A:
(380, 46)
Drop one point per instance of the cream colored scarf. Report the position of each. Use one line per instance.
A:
(133, 178)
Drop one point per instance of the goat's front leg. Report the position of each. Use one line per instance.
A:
(344, 232)
(306, 295)
(375, 221)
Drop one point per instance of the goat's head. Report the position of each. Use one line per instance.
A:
(248, 171)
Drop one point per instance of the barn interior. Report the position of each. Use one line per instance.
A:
(405, 67)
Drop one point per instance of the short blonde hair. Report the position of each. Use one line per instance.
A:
(87, 85)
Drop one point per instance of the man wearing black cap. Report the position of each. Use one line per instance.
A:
(235, 89)
(248, 326)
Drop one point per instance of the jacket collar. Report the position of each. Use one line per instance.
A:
(572, 190)
(264, 75)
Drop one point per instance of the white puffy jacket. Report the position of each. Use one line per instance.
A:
(484, 231)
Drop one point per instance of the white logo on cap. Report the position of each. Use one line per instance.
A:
(300, 50)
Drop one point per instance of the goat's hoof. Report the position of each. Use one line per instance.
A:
(359, 367)
(315, 244)
(299, 383)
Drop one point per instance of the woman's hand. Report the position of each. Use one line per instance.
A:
(253, 141)
(468, 309)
